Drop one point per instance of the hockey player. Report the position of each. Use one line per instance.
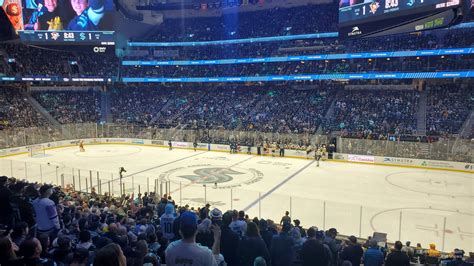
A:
(317, 156)
(81, 146)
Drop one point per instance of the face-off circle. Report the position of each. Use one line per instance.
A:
(446, 184)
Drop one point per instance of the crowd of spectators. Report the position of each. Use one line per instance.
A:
(448, 107)
(279, 108)
(369, 114)
(30, 61)
(46, 225)
(254, 108)
(69, 107)
(15, 111)
(261, 23)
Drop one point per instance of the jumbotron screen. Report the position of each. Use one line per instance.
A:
(83, 21)
(378, 14)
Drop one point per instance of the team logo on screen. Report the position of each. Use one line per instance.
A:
(374, 6)
(54, 35)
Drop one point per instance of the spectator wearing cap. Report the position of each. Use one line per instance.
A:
(397, 257)
(313, 252)
(373, 256)
(297, 225)
(352, 252)
(252, 246)
(229, 240)
(47, 219)
(186, 251)
(216, 216)
(282, 250)
(458, 259)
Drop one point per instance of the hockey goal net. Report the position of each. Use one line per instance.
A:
(36, 150)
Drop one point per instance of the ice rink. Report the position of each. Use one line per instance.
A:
(424, 206)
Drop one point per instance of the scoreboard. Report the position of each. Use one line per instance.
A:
(383, 9)
(73, 37)
(367, 17)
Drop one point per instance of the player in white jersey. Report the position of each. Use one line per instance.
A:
(166, 221)
(317, 156)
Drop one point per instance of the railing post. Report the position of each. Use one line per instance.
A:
(180, 195)
(324, 215)
(260, 205)
(99, 185)
(79, 173)
(231, 199)
(26, 172)
(444, 234)
(90, 179)
(291, 206)
(148, 185)
(360, 222)
(112, 180)
(74, 182)
(133, 185)
(400, 227)
(87, 190)
(41, 173)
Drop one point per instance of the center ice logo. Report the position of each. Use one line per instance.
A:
(212, 175)
(202, 174)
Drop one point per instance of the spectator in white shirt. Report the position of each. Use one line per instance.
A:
(46, 213)
(187, 252)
